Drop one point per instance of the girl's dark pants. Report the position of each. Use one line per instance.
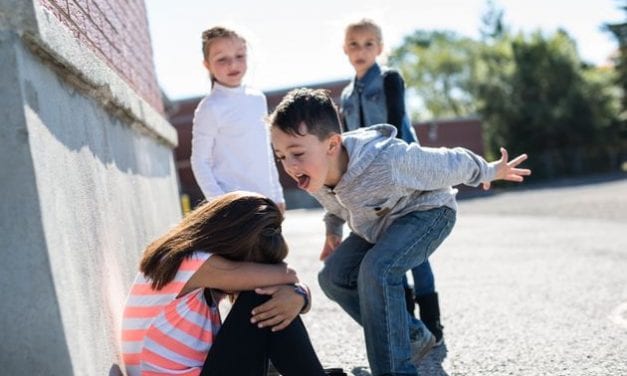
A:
(243, 349)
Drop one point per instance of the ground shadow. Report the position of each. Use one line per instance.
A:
(431, 365)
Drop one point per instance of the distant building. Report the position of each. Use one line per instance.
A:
(454, 132)
(466, 132)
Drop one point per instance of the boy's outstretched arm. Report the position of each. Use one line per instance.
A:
(507, 170)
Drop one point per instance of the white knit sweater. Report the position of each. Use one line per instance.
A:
(231, 144)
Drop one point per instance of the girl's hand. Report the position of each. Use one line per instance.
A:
(280, 310)
(330, 243)
(507, 170)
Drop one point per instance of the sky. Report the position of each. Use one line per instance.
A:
(296, 43)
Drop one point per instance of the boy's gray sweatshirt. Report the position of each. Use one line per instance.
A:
(386, 179)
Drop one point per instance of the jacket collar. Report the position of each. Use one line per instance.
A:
(373, 72)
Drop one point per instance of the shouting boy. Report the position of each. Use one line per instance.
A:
(398, 202)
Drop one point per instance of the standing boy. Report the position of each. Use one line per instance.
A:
(376, 95)
(398, 202)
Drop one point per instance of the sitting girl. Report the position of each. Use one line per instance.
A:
(230, 245)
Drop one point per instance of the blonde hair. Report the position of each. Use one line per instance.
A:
(365, 24)
(210, 35)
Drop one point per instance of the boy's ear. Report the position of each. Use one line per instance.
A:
(335, 143)
(206, 64)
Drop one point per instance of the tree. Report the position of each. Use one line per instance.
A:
(435, 66)
(619, 30)
(548, 103)
(532, 91)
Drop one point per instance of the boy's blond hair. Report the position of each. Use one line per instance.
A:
(365, 24)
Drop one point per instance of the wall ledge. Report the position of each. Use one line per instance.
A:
(58, 48)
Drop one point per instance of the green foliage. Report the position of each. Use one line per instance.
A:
(532, 91)
(619, 31)
(548, 104)
(436, 66)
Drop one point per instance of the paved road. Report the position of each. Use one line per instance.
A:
(531, 282)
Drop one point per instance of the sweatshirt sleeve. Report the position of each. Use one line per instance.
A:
(204, 131)
(334, 224)
(428, 169)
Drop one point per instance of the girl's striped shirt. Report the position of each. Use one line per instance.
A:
(163, 334)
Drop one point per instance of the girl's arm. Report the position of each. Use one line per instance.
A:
(204, 132)
(219, 273)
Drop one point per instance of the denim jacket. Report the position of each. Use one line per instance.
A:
(374, 109)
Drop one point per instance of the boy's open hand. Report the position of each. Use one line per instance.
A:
(507, 170)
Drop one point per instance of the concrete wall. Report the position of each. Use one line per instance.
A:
(87, 180)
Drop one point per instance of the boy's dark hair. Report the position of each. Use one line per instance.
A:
(313, 107)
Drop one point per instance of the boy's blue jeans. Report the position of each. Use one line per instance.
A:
(423, 279)
(366, 280)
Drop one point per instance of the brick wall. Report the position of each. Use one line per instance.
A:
(451, 133)
(117, 31)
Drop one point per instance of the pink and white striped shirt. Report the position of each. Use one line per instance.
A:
(166, 335)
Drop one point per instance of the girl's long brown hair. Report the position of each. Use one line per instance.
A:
(240, 226)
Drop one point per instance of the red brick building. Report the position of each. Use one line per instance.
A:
(117, 32)
(455, 132)
(450, 133)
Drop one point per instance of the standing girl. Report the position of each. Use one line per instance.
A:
(230, 141)
(171, 323)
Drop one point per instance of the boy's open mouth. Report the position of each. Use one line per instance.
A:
(303, 181)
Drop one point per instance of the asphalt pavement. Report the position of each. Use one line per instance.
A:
(532, 281)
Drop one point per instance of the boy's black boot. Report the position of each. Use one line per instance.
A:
(430, 315)
(409, 301)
